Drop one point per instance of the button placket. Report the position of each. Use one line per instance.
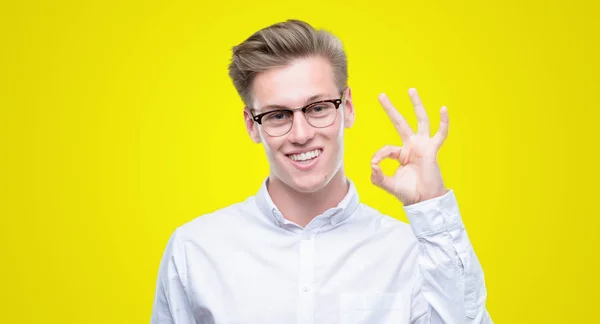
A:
(306, 277)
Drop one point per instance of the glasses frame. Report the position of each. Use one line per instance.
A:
(336, 102)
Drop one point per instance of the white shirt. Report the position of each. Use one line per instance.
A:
(245, 263)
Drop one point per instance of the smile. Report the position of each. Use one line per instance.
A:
(305, 161)
(306, 156)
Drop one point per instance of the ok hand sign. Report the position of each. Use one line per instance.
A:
(418, 177)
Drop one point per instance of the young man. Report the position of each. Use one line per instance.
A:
(304, 249)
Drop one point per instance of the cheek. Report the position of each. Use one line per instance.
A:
(335, 141)
(339, 142)
(271, 146)
(339, 137)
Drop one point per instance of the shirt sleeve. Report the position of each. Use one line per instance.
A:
(171, 304)
(450, 285)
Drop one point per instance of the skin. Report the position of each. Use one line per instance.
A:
(301, 195)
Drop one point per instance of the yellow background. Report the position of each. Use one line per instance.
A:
(119, 123)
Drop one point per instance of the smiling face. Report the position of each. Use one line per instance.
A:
(306, 158)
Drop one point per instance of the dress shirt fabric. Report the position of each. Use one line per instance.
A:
(246, 263)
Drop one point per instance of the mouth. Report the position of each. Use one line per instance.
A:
(305, 160)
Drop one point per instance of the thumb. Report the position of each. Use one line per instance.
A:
(379, 179)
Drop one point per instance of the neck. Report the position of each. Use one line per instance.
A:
(302, 207)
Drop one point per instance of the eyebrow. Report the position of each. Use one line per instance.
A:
(308, 101)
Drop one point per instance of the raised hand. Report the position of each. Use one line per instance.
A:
(418, 177)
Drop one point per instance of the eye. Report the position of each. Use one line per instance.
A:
(320, 109)
(277, 116)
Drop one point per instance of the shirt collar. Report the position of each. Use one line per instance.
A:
(334, 215)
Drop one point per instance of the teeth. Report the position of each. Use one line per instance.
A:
(305, 156)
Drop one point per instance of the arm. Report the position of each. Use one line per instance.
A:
(451, 285)
(170, 302)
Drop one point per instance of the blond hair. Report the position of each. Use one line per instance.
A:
(279, 44)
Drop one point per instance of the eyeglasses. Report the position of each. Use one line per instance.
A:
(319, 114)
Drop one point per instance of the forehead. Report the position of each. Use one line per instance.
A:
(294, 83)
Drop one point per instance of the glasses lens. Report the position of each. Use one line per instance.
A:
(321, 114)
(278, 122)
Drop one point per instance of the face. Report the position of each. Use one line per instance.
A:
(302, 82)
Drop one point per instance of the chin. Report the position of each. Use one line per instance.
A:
(308, 183)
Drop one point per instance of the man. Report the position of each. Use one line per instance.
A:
(304, 249)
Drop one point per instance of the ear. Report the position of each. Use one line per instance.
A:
(349, 113)
(251, 126)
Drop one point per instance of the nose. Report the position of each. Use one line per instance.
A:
(301, 131)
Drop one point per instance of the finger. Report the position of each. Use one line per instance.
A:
(399, 122)
(422, 119)
(388, 151)
(382, 181)
(442, 132)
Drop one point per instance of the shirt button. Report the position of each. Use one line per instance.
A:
(306, 288)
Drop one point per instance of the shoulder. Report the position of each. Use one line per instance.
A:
(219, 223)
(383, 224)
